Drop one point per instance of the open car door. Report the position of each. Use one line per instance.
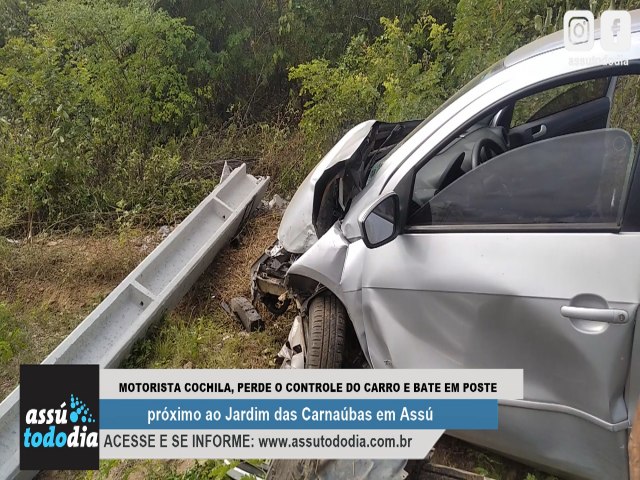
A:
(521, 263)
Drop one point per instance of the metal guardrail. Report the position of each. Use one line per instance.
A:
(106, 336)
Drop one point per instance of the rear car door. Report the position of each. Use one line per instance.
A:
(521, 263)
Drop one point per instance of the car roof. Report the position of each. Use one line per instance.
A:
(556, 40)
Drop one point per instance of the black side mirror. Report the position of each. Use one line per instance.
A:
(379, 223)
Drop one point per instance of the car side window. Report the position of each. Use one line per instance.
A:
(557, 99)
(573, 179)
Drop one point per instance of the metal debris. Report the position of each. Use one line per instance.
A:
(225, 306)
(360, 469)
(247, 470)
(248, 315)
(293, 351)
(432, 471)
(267, 279)
(277, 202)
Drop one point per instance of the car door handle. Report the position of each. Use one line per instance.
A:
(540, 133)
(607, 315)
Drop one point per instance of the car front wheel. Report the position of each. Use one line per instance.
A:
(325, 332)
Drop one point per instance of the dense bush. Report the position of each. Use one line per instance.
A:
(88, 105)
(398, 75)
(124, 110)
(410, 69)
(254, 42)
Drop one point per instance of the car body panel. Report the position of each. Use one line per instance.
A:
(491, 92)
(632, 388)
(341, 274)
(421, 339)
(552, 443)
(492, 299)
(482, 300)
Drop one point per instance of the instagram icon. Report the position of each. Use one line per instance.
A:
(578, 30)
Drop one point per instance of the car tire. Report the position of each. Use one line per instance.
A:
(327, 321)
(325, 331)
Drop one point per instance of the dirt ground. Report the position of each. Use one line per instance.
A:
(49, 285)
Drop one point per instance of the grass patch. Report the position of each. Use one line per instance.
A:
(159, 469)
(11, 335)
(270, 149)
(210, 341)
(49, 286)
(459, 454)
(27, 335)
(199, 333)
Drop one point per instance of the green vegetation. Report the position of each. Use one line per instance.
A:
(11, 336)
(91, 105)
(122, 111)
(210, 341)
(399, 75)
(171, 470)
(49, 285)
(119, 114)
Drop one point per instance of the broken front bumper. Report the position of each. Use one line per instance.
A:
(267, 279)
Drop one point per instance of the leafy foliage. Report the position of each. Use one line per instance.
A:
(409, 69)
(398, 75)
(88, 103)
(15, 18)
(254, 42)
(106, 106)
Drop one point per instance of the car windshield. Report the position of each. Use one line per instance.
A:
(477, 80)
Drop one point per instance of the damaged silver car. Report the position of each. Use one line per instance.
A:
(501, 232)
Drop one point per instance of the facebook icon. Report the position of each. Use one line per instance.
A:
(615, 28)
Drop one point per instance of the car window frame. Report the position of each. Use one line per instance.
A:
(630, 217)
(522, 156)
(572, 85)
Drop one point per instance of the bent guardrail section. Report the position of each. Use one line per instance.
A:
(106, 336)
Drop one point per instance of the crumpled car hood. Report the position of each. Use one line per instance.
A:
(296, 232)
(327, 193)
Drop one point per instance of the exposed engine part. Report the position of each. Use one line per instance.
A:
(339, 184)
(267, 279)
(276, 305)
